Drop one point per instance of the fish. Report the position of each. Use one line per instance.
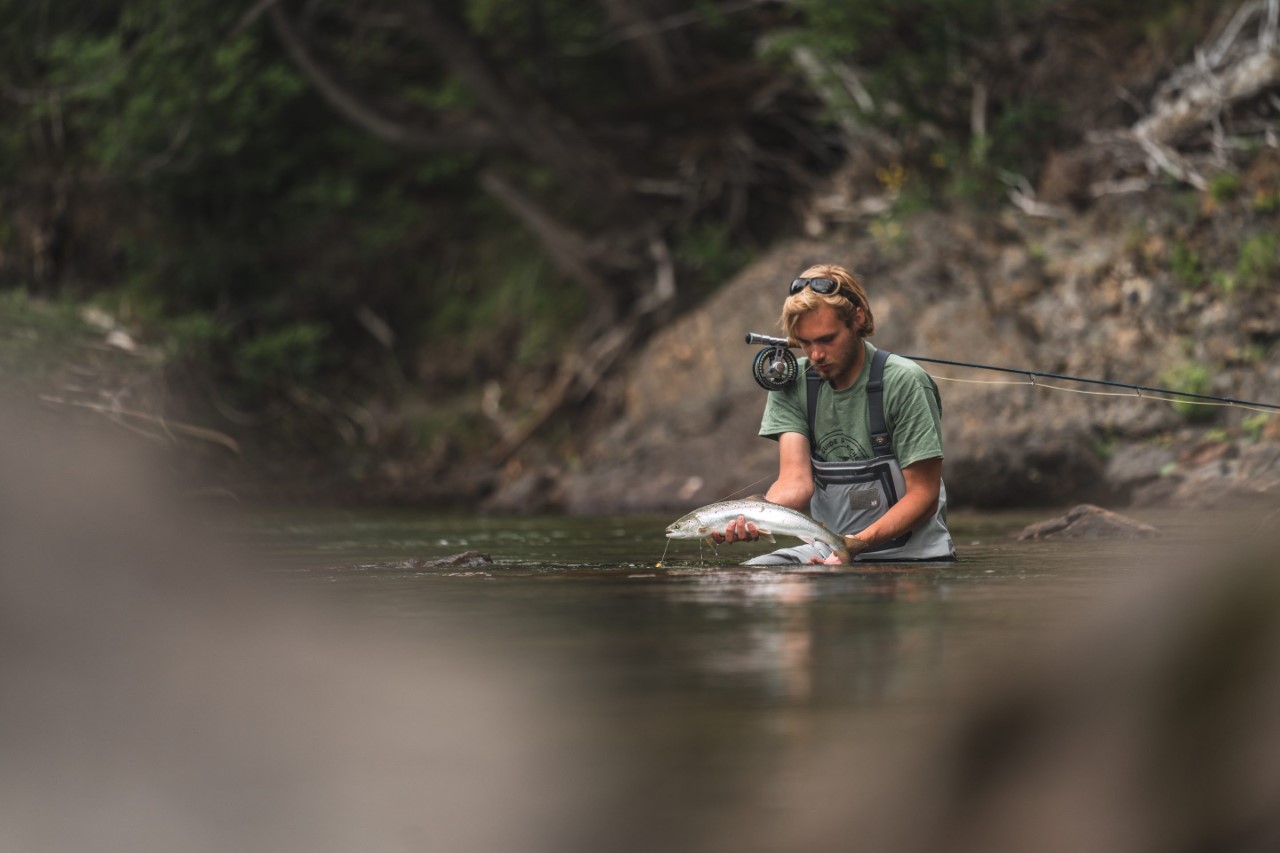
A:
(768, 517)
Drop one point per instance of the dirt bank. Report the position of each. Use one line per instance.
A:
(1098, 295)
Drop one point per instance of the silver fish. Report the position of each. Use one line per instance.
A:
(768, 517)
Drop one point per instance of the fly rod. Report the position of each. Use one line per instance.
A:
(775, 367)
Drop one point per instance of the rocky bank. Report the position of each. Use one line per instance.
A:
(1095, 294)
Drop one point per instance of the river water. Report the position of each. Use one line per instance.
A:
(697, 688)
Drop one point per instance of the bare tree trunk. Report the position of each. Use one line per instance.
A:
(532, 124)
(649, 45)
(568, 250)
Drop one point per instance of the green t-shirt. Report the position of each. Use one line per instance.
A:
(912, 411)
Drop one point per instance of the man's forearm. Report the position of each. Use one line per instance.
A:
(794, 495)
(901, 517)
(924, 487)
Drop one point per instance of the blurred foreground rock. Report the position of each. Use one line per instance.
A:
(157, 697)
(1154, 725)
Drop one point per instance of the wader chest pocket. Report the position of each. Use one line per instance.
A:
(864, 499)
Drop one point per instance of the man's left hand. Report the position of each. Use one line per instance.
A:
(852, 544)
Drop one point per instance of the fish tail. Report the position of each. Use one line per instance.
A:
(836, 544)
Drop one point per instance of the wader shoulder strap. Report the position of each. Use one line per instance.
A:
(813, 384)
(880, 442)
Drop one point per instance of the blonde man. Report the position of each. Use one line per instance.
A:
(859, 435)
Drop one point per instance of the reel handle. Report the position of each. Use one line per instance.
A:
(766, 340)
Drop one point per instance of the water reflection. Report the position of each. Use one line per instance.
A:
(817, 637)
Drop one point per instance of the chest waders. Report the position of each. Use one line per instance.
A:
(849, 496)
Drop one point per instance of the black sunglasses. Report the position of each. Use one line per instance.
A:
(824, 286)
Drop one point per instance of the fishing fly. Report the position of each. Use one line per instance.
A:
(775, 367)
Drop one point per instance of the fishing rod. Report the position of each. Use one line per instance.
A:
(775, 368)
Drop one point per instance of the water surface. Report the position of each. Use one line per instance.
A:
(700, 629)
(702, 679)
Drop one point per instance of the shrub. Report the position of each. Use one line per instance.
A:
(1192, 377)
(1259, 262)
(1224, 187)
(1184, 263)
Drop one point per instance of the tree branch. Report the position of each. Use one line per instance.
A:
(566, 248)
(1197, 94)
(482, 136)
(533, 125)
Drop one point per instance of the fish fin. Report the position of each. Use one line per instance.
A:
(714, 549)
(767, 534)
(760, 498)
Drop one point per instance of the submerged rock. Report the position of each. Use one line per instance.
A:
(1087, 521)
(465, 560)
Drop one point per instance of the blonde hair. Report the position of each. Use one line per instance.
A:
(849, 297)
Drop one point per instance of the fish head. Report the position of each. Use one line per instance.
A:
(687, 527)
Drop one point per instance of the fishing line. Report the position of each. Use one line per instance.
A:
(1172, 394)
(1265, 523)
(744, 488)
(662, 561)
(1137, 395)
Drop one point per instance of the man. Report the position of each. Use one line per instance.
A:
(864, 455)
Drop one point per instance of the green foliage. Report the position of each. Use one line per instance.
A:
(496, 303)
(711, 255)
(23, 316)
(1266, 201)
(246, 221)
(194, 337)
(282, 357)
(1253, 425)
(35, 335)
(889, 236)
(1184, 263)
(1224, 187)
(1225, 282)
(1172, 28)
(922, 63)
(1185, 202)
(1191, 377)
(1258, 264)
(1218, 435)
(238, 222)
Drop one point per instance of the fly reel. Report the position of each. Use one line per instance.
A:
(774, 368)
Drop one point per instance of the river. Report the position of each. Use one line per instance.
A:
(697, 688)
(187, 673)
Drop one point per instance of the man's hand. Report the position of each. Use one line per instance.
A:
(852, 544)
(738, 530)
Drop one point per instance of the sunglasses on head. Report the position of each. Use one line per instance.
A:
(824, 286)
